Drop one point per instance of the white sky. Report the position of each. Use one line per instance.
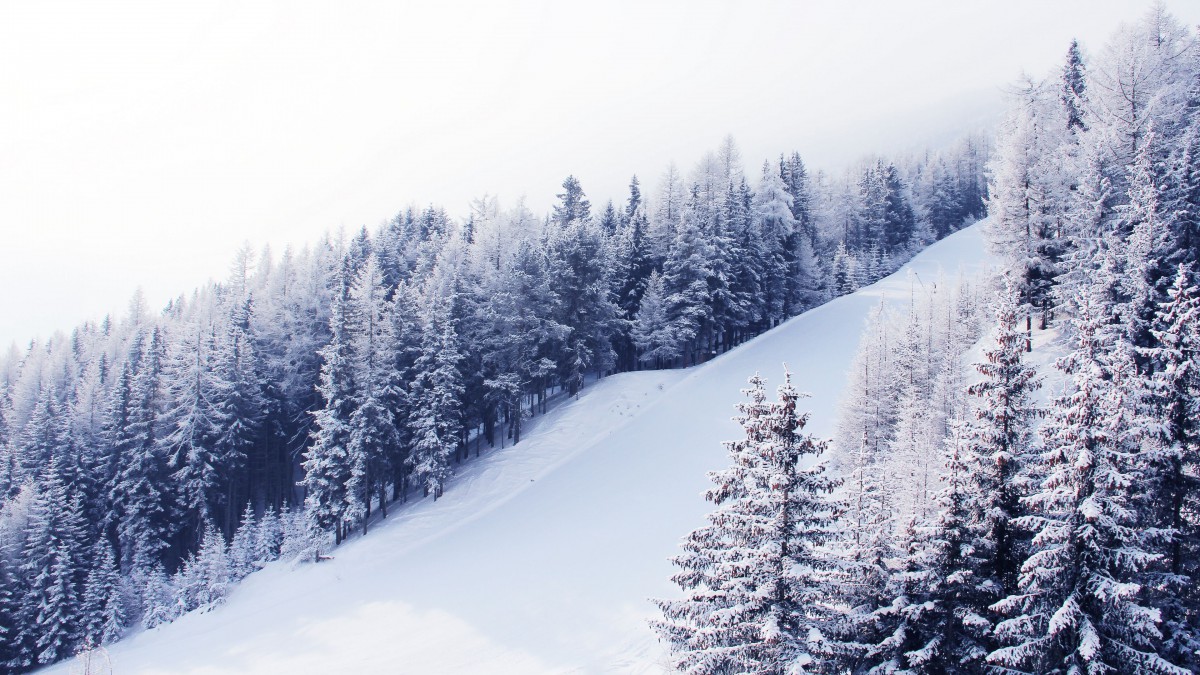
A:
(142, 144)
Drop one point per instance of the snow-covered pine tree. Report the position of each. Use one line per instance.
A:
(913, 450)
(685, 276)
(103, 610)
(203, 581)
(327, 464)
(747, 261)
(373, 435)
(141, 487)
(950, 615)
(866, 545)
(651, 329)
(54, 556)
(664, 217)
(302, 538)
(9, 611)
(1171, 500)
(842, 272)
(242, 549)
(900, 222)
(753, 577)
(867, 415)
(772, 209)
(160, 603)
(242, 406)
(1026, 199)
(194, 422)
(1079, 606)
(573, 203)
(586, 304)
(437, 421)
(1074, 89)
(43, 438)
(804, 271)
(268, 539)
(999, 439)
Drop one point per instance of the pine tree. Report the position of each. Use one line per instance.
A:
(159, 598)
(302, 538)
(373, 435)
(753, 576)
(953, 619)
(1000, 445)
(842, 272)
(242, 549)
(141, 484)
(241, 405)
(1074, 89)
(1026, 201)
(194, 424)
(573, 205)
(898, 218)
(54, 558)
(203, 581)
(437, 421)
(776, 225)
(103, 608)
(685, 276)
(327, 465)
(1171, 499)
(651, 329)
(1079, 606)
(9, 612)
(268, 540)
(42, 438)
(667, 206)
(585, 305)
(747, 259)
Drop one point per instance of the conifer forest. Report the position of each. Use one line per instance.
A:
(1013, 480)
(965, 522)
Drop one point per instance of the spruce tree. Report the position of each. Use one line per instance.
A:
(54, 557)
(776, 226)
(242, 549)
(754, 576)
(651, 331)
(1171, 501)
(195, 421)
(103, 610)
(1074, 89)
(141, 486)
(437, 421)
(241, 405)
(1080, 604)
(9, 613)
(160, 601)
(686, 274)
(326, 464)
(373, 435)
(268, 539)
(1000, 445)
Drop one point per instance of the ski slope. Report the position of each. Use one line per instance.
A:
(541, 557)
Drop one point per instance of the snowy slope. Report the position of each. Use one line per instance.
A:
(541, 557)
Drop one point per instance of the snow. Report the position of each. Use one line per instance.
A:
(541, 557)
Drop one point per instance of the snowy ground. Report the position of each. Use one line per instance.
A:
(541, 557)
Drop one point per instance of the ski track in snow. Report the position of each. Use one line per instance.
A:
(541, 557)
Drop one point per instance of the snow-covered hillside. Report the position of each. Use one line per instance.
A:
(541, 557)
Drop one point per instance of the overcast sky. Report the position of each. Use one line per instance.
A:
(142, 144)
